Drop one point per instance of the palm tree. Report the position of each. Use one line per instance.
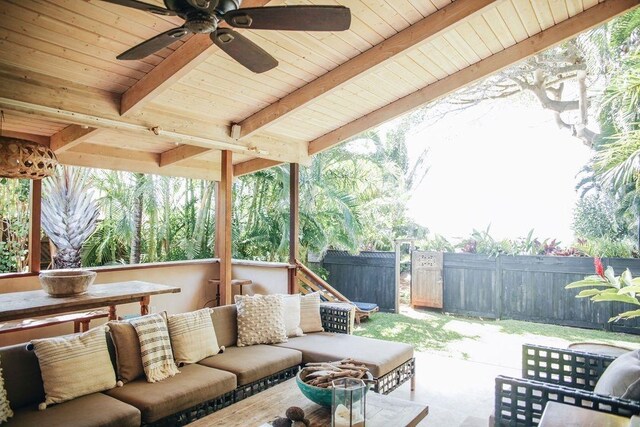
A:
(69, 214)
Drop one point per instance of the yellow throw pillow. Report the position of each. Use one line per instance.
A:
(75, 365)
(192, 336)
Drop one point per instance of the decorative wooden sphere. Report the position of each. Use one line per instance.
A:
(20, 158)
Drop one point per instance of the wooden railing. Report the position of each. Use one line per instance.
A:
(308, 282)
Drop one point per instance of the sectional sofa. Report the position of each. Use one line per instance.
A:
(209, 385)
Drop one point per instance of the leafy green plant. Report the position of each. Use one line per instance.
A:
(606, 287)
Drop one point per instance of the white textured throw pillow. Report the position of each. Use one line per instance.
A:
(292, 315)
(192, 336)
(260, 319)
(310, 320)
(5, 409)
(75, 365)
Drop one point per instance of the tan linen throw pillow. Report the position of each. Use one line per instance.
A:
(75, 365)
(192, 336)
(260, 319)
(128, 358)
(292, 315)
(310, 320)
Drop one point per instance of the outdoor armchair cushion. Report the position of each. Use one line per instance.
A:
(194, 384)
(252, 363)
(622, 377)
(381, 357)
(93, 410)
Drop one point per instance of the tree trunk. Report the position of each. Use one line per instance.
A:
(136, 235)
(67, 258)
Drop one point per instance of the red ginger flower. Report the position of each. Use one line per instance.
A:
(597, 262)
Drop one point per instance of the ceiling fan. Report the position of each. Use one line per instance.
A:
(204, 17)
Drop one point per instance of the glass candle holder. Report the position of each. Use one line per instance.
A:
(348, 403)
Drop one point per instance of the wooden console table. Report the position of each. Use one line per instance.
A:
(21, 305)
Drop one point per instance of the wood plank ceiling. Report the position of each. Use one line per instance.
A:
(172, 112)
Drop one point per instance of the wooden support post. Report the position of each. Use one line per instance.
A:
(34, 230)
(223, 225)
(294, 223)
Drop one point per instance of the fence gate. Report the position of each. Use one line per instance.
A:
(426, 279)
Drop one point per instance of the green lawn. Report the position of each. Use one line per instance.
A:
(433, 331)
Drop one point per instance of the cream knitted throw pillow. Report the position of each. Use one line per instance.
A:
(260, 319)
(5, 409)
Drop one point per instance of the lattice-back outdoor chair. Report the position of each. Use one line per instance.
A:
(559, 375)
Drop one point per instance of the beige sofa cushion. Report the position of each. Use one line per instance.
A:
(292, 315)
(195, 384)
(260, 319)
(128, 359)
(250, 364)
(192, 336)
(225, 323)
(93, 410)
(310, 320)
(381, 357)
(74, 365)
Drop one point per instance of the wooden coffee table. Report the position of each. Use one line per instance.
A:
(382, 411)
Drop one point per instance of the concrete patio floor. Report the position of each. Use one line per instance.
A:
(458, 384)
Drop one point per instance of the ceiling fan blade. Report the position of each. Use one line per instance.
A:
(142, 6)
(154, 44)
(296, 18)
(243, 50)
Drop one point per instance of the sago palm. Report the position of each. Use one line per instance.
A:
(69, 214)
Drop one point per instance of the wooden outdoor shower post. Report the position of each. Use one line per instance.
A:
(223, 225)
(294, 224)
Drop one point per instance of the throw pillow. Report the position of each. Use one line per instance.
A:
(155, 347)
(74, 365)
(192, 336)
(622, 377)
(128, 359)
(310, 320)
(5, 409)
(260, 319)
(292, 315)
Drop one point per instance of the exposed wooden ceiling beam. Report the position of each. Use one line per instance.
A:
(93, 155)
(564, 30)
(43, 96)
(420, 32)
(71, 136)
(180, 153)
(254, 165)
(183, 60)
(40, 139)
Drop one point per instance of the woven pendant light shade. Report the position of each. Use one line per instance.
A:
(20, 158)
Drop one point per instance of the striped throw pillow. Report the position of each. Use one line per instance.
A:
(192, 336)
(310, 320)
(75, 365)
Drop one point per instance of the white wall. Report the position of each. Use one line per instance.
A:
(191, 276)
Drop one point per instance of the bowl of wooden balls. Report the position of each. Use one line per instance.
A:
(315, 379)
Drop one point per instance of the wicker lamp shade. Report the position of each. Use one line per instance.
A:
(20, 158)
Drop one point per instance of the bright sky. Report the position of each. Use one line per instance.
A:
(505, 164)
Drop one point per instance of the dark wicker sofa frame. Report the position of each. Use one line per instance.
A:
(335, 318)
(559, 375)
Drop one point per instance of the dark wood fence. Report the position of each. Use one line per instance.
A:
(530, 288)
(367, 277)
